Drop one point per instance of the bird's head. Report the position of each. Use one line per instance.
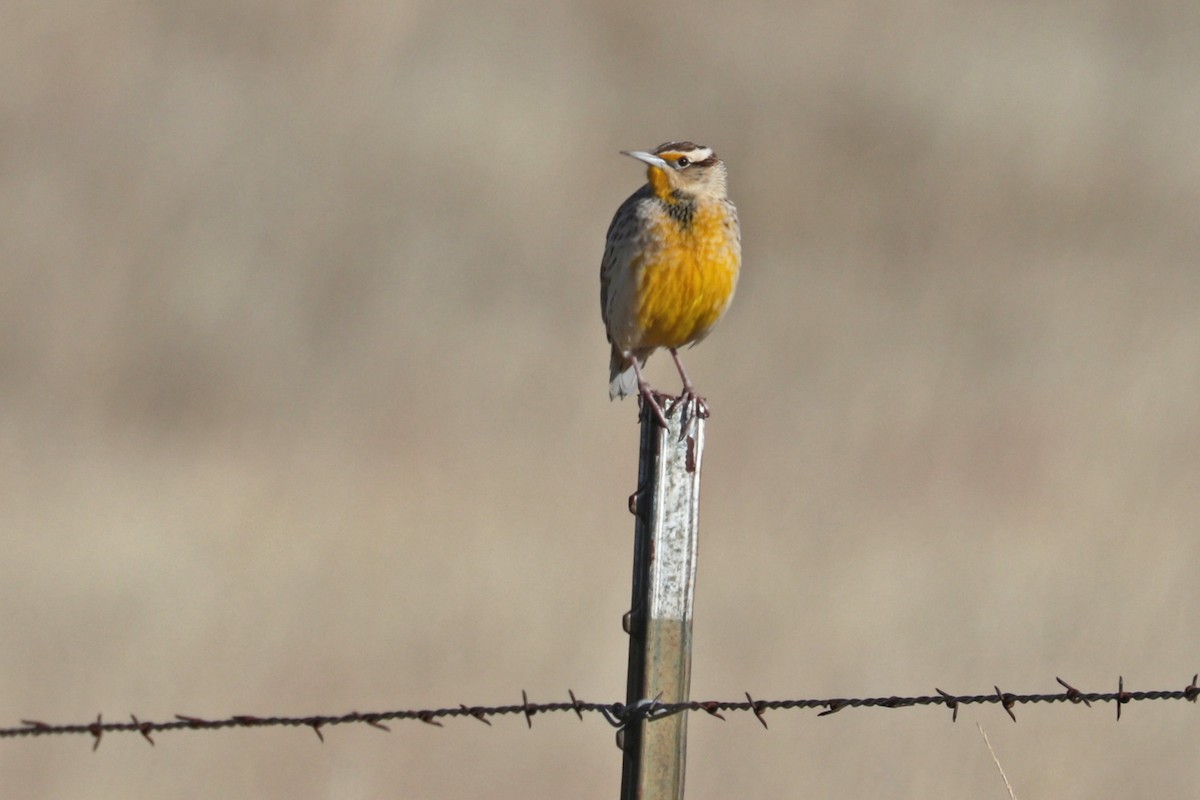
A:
(681, 171)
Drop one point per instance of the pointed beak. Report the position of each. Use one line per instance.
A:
(649, 158)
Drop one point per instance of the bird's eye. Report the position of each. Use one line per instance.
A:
(682, 162)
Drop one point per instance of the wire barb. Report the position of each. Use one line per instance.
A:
(373, 719)
(1122, 695)
(477, 713)
(529, 710)
(143, 728)
(951, 703)
(834, 707)
(758, 709)
(576, 705)
(1007, 701)
(1073, 694)
(97, 729)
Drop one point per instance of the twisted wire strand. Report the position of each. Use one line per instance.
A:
(618, 715)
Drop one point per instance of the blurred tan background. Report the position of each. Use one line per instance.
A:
(304, 397)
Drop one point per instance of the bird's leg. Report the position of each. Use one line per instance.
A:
(647, 393)
(689, 391)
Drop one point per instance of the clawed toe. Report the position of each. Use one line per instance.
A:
(650, 398)
(688, 397)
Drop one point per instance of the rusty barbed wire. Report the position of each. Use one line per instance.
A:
(619, 715)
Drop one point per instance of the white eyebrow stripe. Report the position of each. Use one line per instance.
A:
(698, 154)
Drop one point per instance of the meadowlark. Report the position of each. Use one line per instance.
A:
(670, 266)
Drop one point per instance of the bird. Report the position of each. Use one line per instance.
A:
(670, 268)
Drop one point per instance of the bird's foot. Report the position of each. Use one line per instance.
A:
(689, 397)
(653, 400)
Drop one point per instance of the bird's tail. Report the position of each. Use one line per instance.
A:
(622, 380)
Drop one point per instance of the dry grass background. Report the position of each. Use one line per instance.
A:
(304, 399)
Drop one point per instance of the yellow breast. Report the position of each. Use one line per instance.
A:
(688, 278)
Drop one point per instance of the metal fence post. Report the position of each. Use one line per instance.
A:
(660, 619)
